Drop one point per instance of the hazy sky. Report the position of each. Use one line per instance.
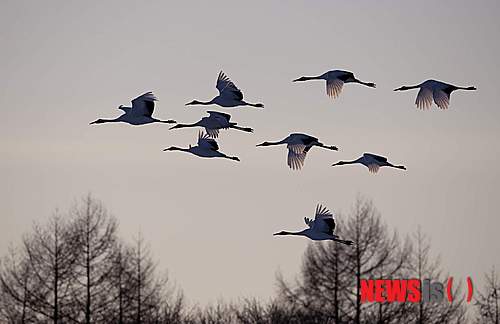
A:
(209, 222)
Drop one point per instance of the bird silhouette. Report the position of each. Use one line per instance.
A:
(298, 145)
(139, 114)
(320, 229)
(433, 90)
(213, 123)
(372, 162)
(229, 95)
(206, 148)
(335, 81)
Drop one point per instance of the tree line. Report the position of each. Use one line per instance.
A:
(75, 269)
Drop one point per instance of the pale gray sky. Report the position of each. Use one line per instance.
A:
(209, 222)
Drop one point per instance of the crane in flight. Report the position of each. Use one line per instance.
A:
(229, 95)
(434, 90)
(372, 162)
(140, 113)
(320, 229)
(207, 148)
(298, 145)
(214, 122)
(335, 80)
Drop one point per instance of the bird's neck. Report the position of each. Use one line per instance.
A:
(187, 125)
(300, 233)
(351, 162)
(411, 87)
(102, 121)
(318, 77)
(276, 143)
(175, 148)
(206, 102)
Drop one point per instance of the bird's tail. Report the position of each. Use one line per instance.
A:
(368, 84)
(346, 242)
(245, 129)
(257, 105)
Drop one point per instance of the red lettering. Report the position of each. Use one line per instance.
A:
(379, 291)
(367, 291)
(414, 293)
(396, 290)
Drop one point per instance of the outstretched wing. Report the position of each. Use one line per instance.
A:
(334, 87)
(218, 115)
(441, 98)
(296, 156)
(227, 88)
(144, 105)
(206, 142)
(424, 98)
(323, 221)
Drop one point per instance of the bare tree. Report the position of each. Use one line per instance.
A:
(96, 237)
(323, 288)
(376, 252)
(51, 256)
(422, 266)
(16, 286)
(120, 286)
(75, 270)
(147, 289)
(487, 300)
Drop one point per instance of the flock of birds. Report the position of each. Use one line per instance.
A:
(298, 144)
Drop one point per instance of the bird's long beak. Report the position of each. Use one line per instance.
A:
(276, 234)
